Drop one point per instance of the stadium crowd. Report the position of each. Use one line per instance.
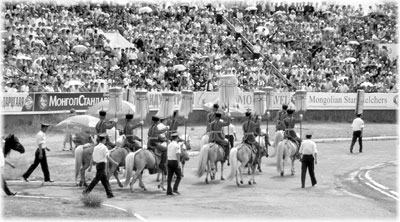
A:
(317, 47)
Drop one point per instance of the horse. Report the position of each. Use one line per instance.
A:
(210, 155)
(286, 149)
(11, 142)
(118, 154)
(138, 161)
(246, 155)
(83, 156)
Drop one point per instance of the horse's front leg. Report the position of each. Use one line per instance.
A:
(183, 167)
(161, 184)
(222, 171)
(207, 172)
(137, 175)
(259, 164)
(240, 174)
(293, 171)
(158, 177)
(141, 184)
(83, 179)
(253, 169)
(118, 181)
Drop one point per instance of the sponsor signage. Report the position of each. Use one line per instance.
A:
(43, 102)
(66, 101)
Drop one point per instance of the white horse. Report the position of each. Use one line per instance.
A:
(286, 149)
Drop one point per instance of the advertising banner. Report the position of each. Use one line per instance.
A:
(48, 102)
(67, 101)
(17, 102)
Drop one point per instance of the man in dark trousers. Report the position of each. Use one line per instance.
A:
(100, 157)
(308, 156)
(103, 125)
(174, 165)
(358, 126)
(40, 155)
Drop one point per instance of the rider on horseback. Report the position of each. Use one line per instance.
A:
(282, 114)
(249, 128)
(155, 141)
(217, 135)
(132, 140)
(103, 125)
(211, 116)
(290, 134)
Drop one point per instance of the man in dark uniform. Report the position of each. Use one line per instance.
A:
(290, 123)
(282, 114)
(211, 116)
(217, 135)
(249, 128)
(155, 141)
(132, 140)
(173, 124)
(103, 125)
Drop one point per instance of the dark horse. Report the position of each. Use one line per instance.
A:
(11, 142)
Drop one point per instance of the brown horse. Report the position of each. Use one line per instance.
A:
(139, 161)
(83, 157)
(118, 154)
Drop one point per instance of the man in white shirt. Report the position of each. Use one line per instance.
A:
(358, 126)
(100, 156)
(40, 155)
(308, 156)
(174, 165)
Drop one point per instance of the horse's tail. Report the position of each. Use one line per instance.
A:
(204, 140)
(203, 158)
(129, 163)
(233, 160)
(280, 149)
(78, 161)
(278, 138)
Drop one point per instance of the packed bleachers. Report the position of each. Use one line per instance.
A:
(320, 48)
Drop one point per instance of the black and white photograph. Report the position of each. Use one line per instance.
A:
(199, 110)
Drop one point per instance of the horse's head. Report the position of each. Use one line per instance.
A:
(12, 143)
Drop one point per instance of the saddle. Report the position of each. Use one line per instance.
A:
(157, 157)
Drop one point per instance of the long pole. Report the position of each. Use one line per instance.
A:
(266, 136)
(141, 132)
(185, 130)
